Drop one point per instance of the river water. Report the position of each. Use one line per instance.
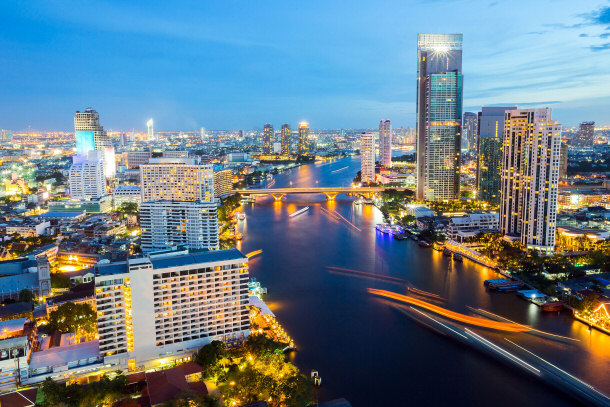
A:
(365, 350)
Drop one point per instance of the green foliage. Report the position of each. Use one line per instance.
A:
(232, 202)
(192, 399)
(77, 318)
(26, 295)
(408, 219)
(104, 392)
(262, 345)
(128, 208)
(209, 356)
(588, 304)
(60, 280)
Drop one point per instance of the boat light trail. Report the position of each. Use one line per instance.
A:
(254, 253)
(340, 169)
(364, 273)
(484, 323)
(350, 223)
(438, 322)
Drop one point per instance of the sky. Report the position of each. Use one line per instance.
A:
(337, 64)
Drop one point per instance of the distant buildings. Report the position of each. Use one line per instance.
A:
(439, 116)
(530, 176)
(385, 143)
(151, 131)
(268, 139)
(166, 224)
(585, 136)
(285, 136)
(367, 157)
(469, 130)
(86, 176)
(155, 310)
(563, 160)
(177, 179)
(303, 138)
(87, 129)
(490, 129)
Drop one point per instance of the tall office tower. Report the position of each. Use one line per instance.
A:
(90, 135)
(151, 131)
(153, 310)
(286, 134)
(166, 224)
(563, 160)
(176, 179)
(87, 176)
(385, 143)
(133, 136)
(490, 128)
(439, 116)
(223, 183)
(202, 133)
(267, 139)
(469, 130)
(586, 135)
(367, 157)
(123, 139)
(303, 139)
(530, 176)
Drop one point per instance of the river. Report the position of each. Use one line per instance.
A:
(365, 350)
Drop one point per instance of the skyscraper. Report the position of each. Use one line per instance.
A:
(530, 177)
(439, 116)
(303, 138)
(469, 130)
(165, 224)
(151, 131)
(367, 157)
(490, 130)
(285, 139)
(586, 135)
(88, 131)
(176, 179)
(267, 139)
(86, 176)
(563, 160)
(385, 143)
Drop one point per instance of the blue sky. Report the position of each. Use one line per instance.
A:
(231, 65)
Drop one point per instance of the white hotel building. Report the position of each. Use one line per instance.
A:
(166, 224)
(86, 176)
(530, 177)
(153, 310)
(176, 179)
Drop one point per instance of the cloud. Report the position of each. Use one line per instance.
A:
(601, 16)
(602, 47)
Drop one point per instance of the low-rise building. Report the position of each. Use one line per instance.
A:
(419, 211)
(468, 226)
(28, 228)
(17, 338)
(126, 193)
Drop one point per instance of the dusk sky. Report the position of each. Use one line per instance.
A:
(238, 65)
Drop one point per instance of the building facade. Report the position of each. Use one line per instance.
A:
(585, 136)
(86, 176)
(87, 128)
(461, 227)
(563, 160)
(268, 139)
(469, 130)
(530, 177)
(490, 130)
(439, 116)
(303, 138)
(176, 179)
(385, 143)
(367, 157)
(223, 183)
(166, 224)
(153, 310)
(285, 137)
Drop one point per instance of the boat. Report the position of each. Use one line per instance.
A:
(300, 211)
(495, 281)
(424, 243)
(552, 306)
(439, 247)
(240, 216)
(457, 257)
(446, 252)
(384, 228)
(414, 237)
(400, 236)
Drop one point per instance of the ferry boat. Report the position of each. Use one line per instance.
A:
(552, 306)
(300, 211)
(384, 228)
(439, 247)
(424, 243)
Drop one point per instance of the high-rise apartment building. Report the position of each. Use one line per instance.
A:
(286, 134)
(490, 129)
(167, 224)
(367, 157)
(585, 136)
(151, 131)
(176, 179)
(154, 310)
(303, 139)
(439, 116)
(268, 139)
(469, 130)
(530, 177)
(563, 160)
(223, 183)
(86, 176)
(385, 143)
(90, 135)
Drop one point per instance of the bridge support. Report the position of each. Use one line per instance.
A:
(278, 197)
(331, 196)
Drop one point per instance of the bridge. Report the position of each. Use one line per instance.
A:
(330, 192)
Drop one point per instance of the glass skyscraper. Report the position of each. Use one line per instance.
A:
(439, 116)
(489, 152)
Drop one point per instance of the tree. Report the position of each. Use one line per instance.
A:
(26, 295)
(210, 354)
(77, 318)
(60, 280)
(128, 208)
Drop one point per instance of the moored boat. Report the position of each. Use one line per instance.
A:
(457, 257)
(552, 306)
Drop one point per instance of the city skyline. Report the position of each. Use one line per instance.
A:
(299, 76)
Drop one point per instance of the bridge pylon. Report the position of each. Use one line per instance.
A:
(278, 197)
(331, 195)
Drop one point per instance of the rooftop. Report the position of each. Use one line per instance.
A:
(57, 356)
